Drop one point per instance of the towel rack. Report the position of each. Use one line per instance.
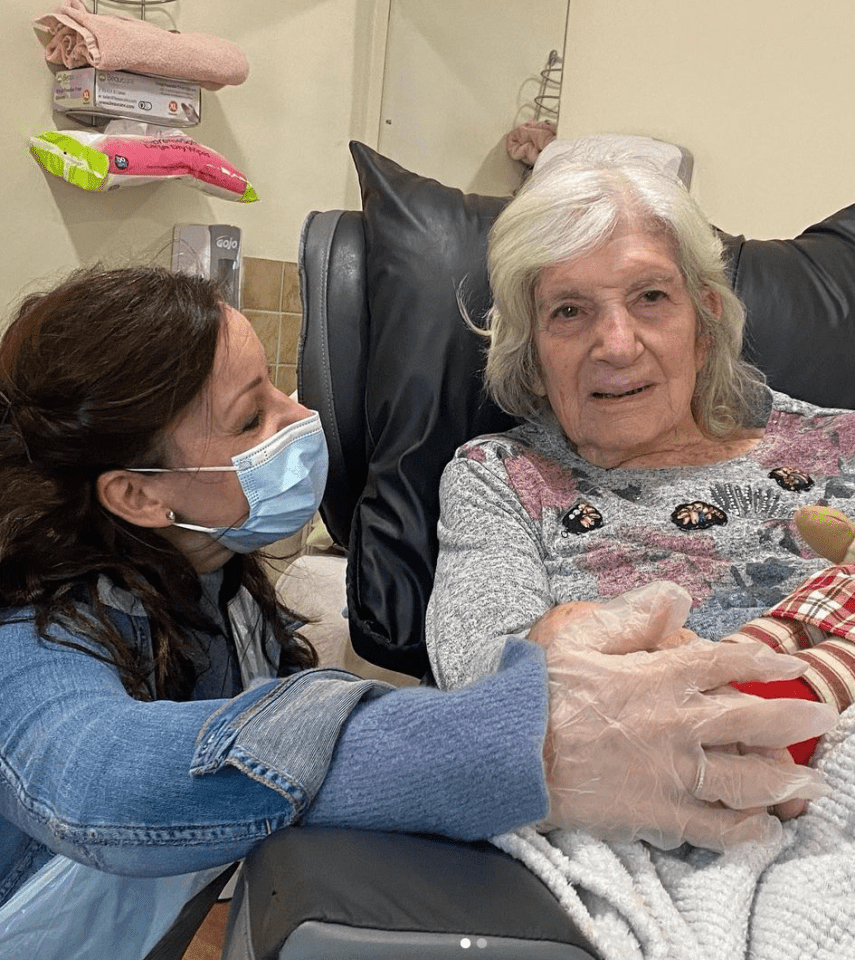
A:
(142, 4)
(549, 97)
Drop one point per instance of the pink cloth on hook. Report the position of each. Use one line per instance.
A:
(526, 140)
(78, 38)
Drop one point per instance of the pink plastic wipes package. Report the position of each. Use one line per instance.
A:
(103, 161)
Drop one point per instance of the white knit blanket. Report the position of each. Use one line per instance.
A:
(792, 901)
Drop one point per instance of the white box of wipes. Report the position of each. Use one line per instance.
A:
(98, 96)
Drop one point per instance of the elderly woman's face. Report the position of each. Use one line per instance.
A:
(618, 351)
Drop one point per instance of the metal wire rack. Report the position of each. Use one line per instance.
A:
(139, 4)
(549, 96)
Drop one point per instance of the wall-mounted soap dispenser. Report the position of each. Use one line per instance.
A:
(210, 250)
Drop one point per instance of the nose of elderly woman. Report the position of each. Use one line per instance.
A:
(616, 339)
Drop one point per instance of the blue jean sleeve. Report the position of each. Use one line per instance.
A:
(159, 788)
(282, 733)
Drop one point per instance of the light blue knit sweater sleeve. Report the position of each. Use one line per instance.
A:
(466, 763)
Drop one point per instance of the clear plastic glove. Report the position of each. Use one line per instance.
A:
(646, 618)
(641, 740)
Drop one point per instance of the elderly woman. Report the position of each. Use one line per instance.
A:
(650, 450)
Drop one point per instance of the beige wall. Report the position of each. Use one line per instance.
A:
(459, 76)
(315, 81)
(759, 90)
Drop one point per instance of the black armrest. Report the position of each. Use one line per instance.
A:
(311, 892)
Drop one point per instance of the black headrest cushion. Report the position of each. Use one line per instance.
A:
(424, 393)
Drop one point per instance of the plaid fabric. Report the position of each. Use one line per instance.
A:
(826, 600)
(817, 624)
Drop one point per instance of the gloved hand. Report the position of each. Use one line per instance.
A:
(646, 618)
(640, 741)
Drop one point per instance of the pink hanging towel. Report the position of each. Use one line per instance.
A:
(78, 38)
(526, 140)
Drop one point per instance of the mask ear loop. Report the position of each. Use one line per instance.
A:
(231, 469)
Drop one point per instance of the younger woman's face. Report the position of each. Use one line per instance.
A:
(238, 410)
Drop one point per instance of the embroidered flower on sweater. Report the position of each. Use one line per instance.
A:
(581, 518)
(791, 479)
(698, 515)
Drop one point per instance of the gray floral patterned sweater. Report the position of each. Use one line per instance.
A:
(525, 523)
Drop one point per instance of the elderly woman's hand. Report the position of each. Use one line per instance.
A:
(641, 740)
(646, 618)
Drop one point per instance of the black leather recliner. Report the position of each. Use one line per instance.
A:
(396, 376)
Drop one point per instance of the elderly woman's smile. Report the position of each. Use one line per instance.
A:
(617, 396)
(617, 345)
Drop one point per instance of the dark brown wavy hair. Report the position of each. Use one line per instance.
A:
(92, 375)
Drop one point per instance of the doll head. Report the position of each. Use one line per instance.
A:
(827, 532)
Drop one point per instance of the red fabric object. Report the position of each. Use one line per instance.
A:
(796, 689)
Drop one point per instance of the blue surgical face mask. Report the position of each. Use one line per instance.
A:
(283, 479)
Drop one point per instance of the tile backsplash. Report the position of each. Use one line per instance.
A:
(271, 301)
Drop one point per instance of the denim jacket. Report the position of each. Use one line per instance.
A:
(161, 788)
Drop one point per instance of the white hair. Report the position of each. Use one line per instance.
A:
(566, 210)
